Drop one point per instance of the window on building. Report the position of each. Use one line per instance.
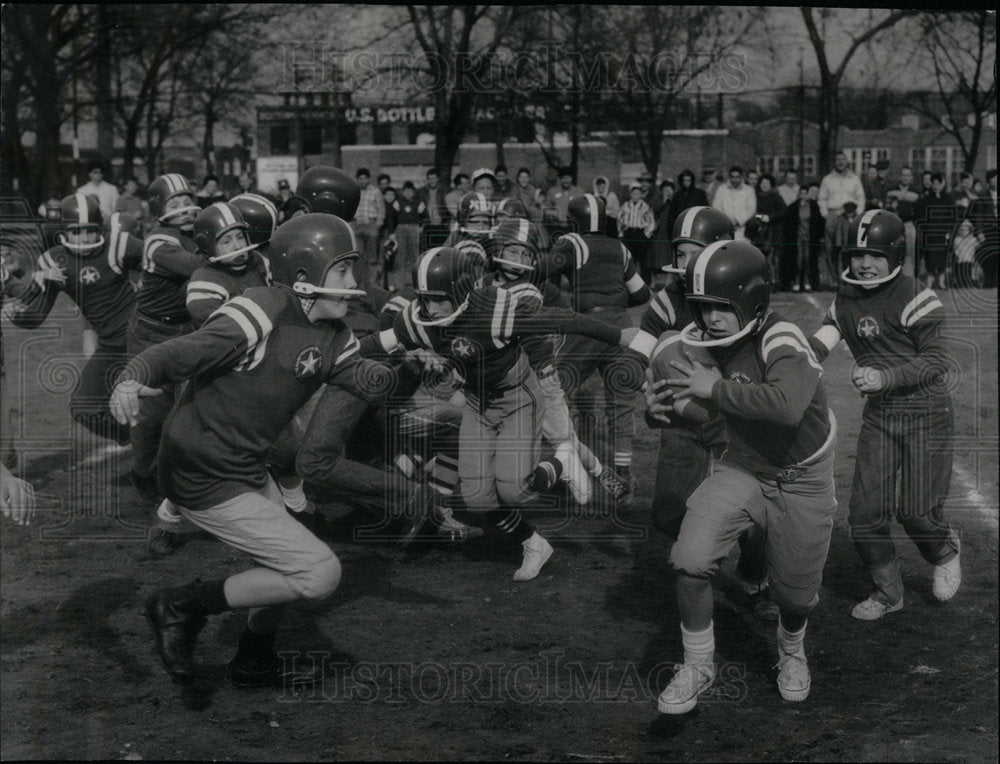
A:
(348, 134)
(809, 166)
(280, 139)
(382, 134)
(312, 139)
(917, 160)
(939, 159)
(881, 154)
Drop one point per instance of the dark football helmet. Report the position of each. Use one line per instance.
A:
(733, 274)
(509, 208)
(513, 231)
(261, 216)
(80, 211)
(330, 190)
(443, 273)
(700, 226)
(879, 233)
(214, 221)
(304, 249)
(587, 213)
(475, 206)
(165, 188)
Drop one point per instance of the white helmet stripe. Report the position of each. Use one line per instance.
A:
(83, 211)
(594, 209)
(688, 221)
(866, 220)
(177, 182)
(701, 264)
(425, 264)
(227, 214)
(522, 230)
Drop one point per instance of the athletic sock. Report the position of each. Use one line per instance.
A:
(699, 646)
(512, 523)
(791, 643)
(623, 463)
(211, 596)
(443, 474)
(167, 513)
(546, 474)
(293, 496)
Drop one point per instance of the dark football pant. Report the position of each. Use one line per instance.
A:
(915, 444)
(580, 356)
(89, 402)
(685, 460)
(145, 434)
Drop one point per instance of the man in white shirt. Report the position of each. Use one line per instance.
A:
(106, 193)
(789, 190)
(737, 200)
(837, 188)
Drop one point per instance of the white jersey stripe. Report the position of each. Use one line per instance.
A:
(255, 312)
(923, 311)
(207, 286)
(241, 320)
(786, 340)
(912, 305)
(499, 311)
(352, 348)
(508, 329)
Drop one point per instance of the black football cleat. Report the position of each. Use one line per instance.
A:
(271, 672)
(162, 543)
(176, 618)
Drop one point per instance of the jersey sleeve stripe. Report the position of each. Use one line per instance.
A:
(352, 348)
(237, 315)
(832, 314)
(508, 329)
(658, 309)
(256, 313)
(927, 307)
(499, 313)
(788, 341)
(207, 286)
(784, 333)
(915, 303)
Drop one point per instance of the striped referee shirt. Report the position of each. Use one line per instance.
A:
(636, 215)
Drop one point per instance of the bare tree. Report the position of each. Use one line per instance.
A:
(832, 75)
(459, 44)
(961, 52)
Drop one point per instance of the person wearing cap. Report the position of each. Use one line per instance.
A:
(557, 201)
(635, 227)
(485, 182)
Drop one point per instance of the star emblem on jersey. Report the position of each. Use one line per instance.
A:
(462, 348)
(868, 327)
(307, 363)
(90, 275)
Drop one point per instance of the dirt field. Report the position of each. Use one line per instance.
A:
(437, 654)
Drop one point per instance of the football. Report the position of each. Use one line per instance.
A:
(669, 348)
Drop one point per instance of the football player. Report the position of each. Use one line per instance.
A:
(515, 263)
(261, 217)
(169, 258)
(249, 368)
(478, 331)
(603, 283)
(473, 226)
(90, 264)
(686, 447)
(776, 472)
(901, 369)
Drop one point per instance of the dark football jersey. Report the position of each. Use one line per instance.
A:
(211, 285)
(540, 350)
(483, 343)
(600, 270)
(169, 257)
(889, 329)
(668, 309)
(97, 283)
(772, 398)
(251, 366)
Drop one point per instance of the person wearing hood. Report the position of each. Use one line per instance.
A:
(612, 204)
(686, 196)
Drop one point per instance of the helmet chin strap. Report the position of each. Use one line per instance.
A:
(441, 321)
(689, 336)
(81, 248)
(869, 283)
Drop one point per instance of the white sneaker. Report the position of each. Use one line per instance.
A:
(947, 578)
(573, 473)
(537, 552)
(793, 678)
(872, 609)
(681, 695)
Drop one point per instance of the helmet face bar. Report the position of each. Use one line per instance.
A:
(513, 231)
